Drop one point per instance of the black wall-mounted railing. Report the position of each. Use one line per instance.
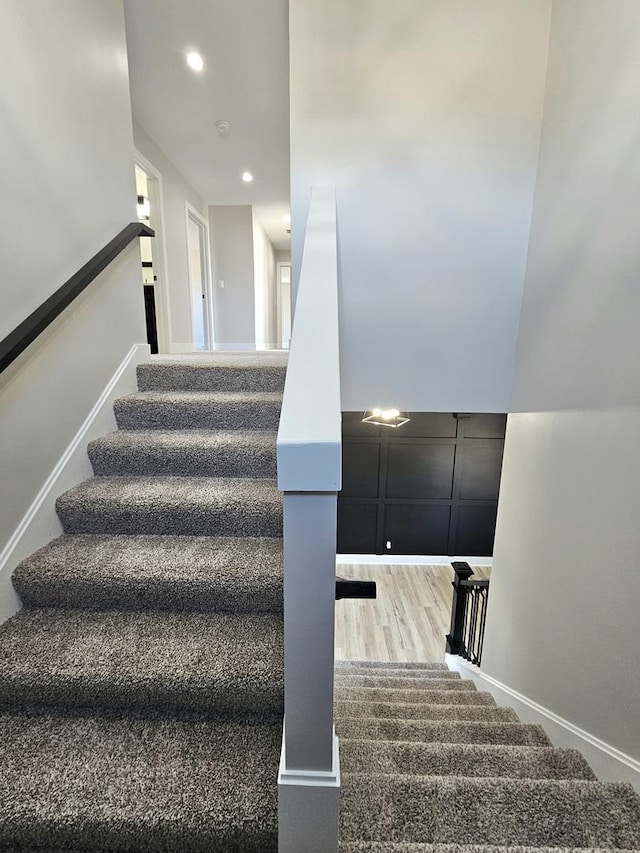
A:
(24, 334)
(468, 614)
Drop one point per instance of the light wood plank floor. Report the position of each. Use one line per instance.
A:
(406, 622)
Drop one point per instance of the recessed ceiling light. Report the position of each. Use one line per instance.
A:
(195, 61)
(247, 177)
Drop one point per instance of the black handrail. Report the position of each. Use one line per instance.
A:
(468, 614)
(24, 334)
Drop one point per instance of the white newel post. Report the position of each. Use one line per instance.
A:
(309, 475)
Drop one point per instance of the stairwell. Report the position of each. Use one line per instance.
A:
(431, 765)
(141, 686)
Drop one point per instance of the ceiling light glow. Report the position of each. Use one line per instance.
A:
(247, 177)
(195, 61)
(287, 219)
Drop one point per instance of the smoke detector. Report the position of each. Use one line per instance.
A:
(223, 128)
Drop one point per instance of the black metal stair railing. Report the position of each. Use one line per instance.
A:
(468, 614)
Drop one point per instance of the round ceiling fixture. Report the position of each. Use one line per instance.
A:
(195, 61)
(223, 128)
(247, 177)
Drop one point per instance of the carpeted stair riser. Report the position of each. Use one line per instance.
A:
(423, 711)
(194, 453)
(232, 373)
(153, 410)
(214, 663)
(442, 759)
(190, 573)
(442, 731)
(489, 811)
(172, 505)
(469, 696)
(131, 784)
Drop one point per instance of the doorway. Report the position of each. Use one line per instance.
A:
(284, 302)
(199, 280)
(152, 251)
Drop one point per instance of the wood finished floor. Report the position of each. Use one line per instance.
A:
(408, 620)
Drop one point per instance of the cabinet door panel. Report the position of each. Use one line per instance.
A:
(415, 529)
(420, 471)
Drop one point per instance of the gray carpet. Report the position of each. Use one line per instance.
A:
(170, 410)
(141, 687)
(420, 775)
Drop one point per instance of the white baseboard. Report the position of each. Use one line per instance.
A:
(607, 762)
(408, 560)
(308, 806)
(40, 523)
(238, 347)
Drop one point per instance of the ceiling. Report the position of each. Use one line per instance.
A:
(245, 81)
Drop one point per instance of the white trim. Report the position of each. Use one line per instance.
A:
(40, 523)
(607, 762)
(408, 560)
(160, 257)
(207, 288)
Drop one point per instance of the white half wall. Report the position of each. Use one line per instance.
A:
(426, 117)
(176, 192)
(67, 177)
(562, 626)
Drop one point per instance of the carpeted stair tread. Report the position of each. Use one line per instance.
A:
(443, 759)
(232, 574)
(393, 847)
(234, 372)
(198, 506)
(215, 663)
(92, 783)
(394, 672)
(442, 731)
(436, 682)
(408, 678)
(192, 453)
(398, 665)
(468, 696)
(529, 812)
(225, 410)
(424, 711)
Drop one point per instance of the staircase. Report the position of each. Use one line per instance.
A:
(431, 765)
(141, 687)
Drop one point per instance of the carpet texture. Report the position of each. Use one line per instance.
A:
(141, 686)
(452, 778)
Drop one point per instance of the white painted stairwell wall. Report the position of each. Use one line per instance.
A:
(563, 626)
(66, 171)
(426, 117)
